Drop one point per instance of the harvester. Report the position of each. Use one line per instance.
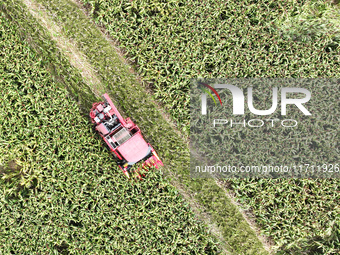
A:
(123, 138)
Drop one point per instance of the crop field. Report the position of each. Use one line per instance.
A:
(81, 203)
(56, 173)
(170, 42)
(210, 202)
(62, 193)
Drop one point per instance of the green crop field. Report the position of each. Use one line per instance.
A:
(170, 42)
(61, 191)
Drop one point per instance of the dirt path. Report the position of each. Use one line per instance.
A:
(128, 63)
(67, 46)
(249, 217)
(79, 60)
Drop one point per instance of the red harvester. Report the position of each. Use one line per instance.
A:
(123, 137)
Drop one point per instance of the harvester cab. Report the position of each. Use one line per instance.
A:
(123, 137)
